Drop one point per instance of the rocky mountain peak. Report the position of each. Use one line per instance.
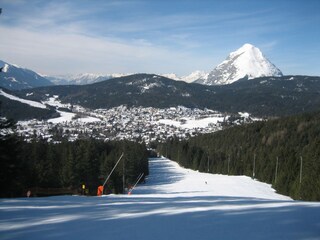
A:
(246, 62)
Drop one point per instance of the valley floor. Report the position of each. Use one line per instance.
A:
(174, 203)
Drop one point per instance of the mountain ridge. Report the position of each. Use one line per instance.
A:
(245, 63)
(13, 77)
(266, 96)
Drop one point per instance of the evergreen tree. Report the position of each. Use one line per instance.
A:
(253, 149)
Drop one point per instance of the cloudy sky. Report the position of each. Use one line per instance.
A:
(165, 36)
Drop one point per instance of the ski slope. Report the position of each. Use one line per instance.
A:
(174, 203)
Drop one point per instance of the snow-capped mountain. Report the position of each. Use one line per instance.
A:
(172, 76)
(246, 62)
(15, 78)
(89, 78)
(258, 96)
(82, 79)
(196, 75)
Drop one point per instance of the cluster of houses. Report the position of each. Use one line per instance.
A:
(134, 123)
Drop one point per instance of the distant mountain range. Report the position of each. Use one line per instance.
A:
(221, 89)
(247, 62)
(15, 78)
(88, 78)
(264, 97)
(82, 79)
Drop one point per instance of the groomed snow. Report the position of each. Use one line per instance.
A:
(68, 117)
(64, 117)
(29, 102)
(192, 123)
(55, 102)
(174, 203)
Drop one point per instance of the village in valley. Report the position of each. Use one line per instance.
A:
(136, 123)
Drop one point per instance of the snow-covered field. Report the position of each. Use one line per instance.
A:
(174, 203)
(28, 102)
(193, 123)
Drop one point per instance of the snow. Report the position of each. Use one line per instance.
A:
(192, 123)
(244, 114)
(29, 102)
(67, 116)
(251, 62)
(247, 61)
(167, 177)
(70, 117)
(83, 78)
(64, 117)
(5, 68)
(12, 79)
(175, 203)
(55, 102)
(195, 75)
(148, 86)
(171, 76)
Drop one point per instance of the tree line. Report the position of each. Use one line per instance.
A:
(284, 152)
(68, 165)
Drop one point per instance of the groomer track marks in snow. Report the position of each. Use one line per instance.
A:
(174, 203)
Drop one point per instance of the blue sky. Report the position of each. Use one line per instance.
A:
(167, 36)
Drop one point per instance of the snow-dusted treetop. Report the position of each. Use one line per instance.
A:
(248, 61)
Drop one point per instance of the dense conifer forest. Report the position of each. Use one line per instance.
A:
(66, 167)
(266, 96)
(284, 152)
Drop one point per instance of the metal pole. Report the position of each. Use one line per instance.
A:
(228, 163)
(140, 176)
(300, 169)
(275, 178)
(112, 170)
(254, 165)
(123, 176)
(166, 150)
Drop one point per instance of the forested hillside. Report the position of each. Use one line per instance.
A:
(284, 152)
(266, 96)
(68, 165)
(19, 111)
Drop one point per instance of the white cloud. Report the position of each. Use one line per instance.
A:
(57, 37)
(74, 53)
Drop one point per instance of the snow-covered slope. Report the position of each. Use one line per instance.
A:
(246, 62)
(168, 178)
(25, 101)
(15, 78)
(89, 78)
(174, 203)
(82, 79)
(196, 75)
